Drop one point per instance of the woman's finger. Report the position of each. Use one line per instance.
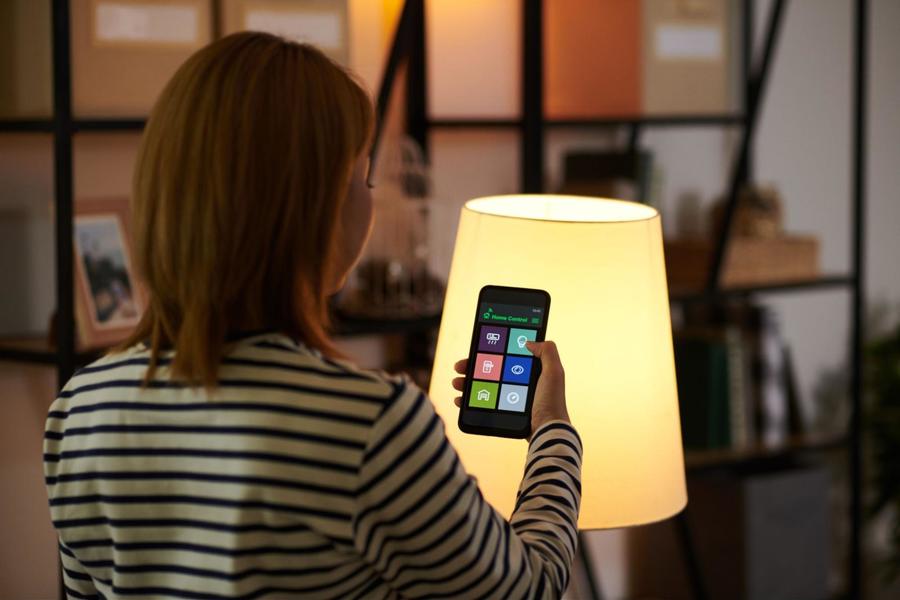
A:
(460, 366)
(458, 383)
(457, 401)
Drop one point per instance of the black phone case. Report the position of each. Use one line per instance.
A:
(473, 345)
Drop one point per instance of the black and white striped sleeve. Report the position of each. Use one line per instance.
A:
(423, 524)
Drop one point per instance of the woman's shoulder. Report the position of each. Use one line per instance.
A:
(272, 361)
(279, 351)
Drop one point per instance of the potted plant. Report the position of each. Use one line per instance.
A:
(882, 383)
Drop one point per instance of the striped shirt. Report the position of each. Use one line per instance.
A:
(298, 476)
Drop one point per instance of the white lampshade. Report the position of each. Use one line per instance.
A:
(602, 263)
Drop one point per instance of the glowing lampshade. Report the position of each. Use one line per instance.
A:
(602, 263)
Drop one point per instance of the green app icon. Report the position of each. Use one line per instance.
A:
(483, 394)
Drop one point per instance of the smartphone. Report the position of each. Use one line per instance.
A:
(502, 373)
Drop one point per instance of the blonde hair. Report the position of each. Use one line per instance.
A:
(241, 175)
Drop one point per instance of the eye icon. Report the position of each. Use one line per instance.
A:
(517, 369)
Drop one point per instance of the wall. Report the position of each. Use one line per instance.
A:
(27, 544)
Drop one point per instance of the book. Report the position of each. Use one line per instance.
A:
(621, 175)
(702, 371)
(771, 398)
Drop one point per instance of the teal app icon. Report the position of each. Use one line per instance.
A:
(517, 338)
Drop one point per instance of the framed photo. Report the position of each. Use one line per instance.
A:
(109, 299)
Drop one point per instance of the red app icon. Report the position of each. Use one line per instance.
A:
(488, 366)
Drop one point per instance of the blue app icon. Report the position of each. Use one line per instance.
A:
(517, 369)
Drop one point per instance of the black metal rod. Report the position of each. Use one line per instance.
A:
(42, 357)
(475, 123)
(26, 125)
(584, 556)
(416, 76)
(398, 52)
(62, 166)
(62, 173)
(634, 139)
(109, 125)
(747, 19)
(691, 561)
(860, 95)
(756, 96)
(532, 160)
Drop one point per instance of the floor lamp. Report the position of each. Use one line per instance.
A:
(602, 263)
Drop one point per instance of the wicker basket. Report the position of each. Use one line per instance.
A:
(748, 261)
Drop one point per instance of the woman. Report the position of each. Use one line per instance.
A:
(225, 451)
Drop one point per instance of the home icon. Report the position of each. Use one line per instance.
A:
(484, 396)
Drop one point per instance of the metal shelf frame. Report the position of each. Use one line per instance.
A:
(532, 127)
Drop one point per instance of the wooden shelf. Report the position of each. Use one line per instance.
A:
(651, 121)
(35, 348)
(697, 460)
(819, 283)
(475, 123)
(349, 327)
(27, 349)
(106, 124)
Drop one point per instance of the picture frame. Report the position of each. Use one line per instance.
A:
(109, 299)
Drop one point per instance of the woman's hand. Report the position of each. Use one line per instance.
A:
(550, 394)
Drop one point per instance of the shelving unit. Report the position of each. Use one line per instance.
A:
(63, 125)
(409, 45)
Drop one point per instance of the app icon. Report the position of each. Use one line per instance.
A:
(513, 397)
(487, 366)
(517, 339)
(517, 369)
(492, 339)
(483, 394)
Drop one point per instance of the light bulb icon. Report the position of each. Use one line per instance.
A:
(521, 340)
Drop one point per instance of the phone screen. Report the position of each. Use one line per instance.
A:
(502, 373)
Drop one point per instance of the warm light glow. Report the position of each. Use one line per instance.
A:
(602, 263)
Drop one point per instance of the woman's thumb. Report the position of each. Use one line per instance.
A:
(546, 352)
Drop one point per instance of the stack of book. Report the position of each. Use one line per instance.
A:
(735, 379)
